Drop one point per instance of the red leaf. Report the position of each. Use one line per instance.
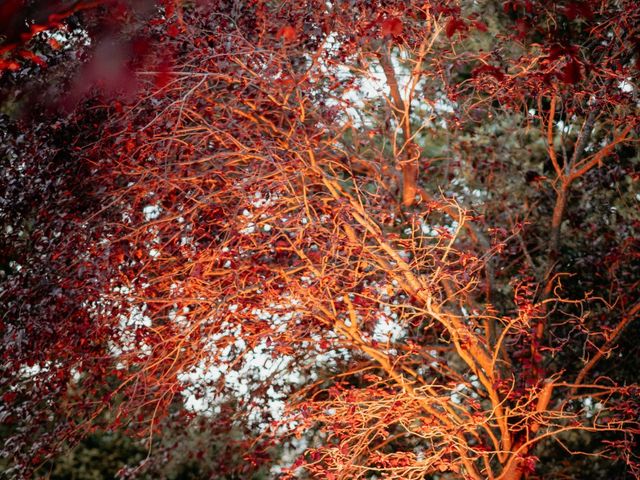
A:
(173, 30)
(164, 74)
(571, 72)
(523, 27)
(33, 57)
(287, 33)
(450, 28)
(454, 25)
(9, 65)
(169, 8)
(391, 26)
(480, 26)
(574, 10)
(9, 397)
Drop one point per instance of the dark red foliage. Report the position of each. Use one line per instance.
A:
(225, 198)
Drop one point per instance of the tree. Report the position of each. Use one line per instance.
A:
(351, 223)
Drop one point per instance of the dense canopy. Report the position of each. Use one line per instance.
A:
(320, 239)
